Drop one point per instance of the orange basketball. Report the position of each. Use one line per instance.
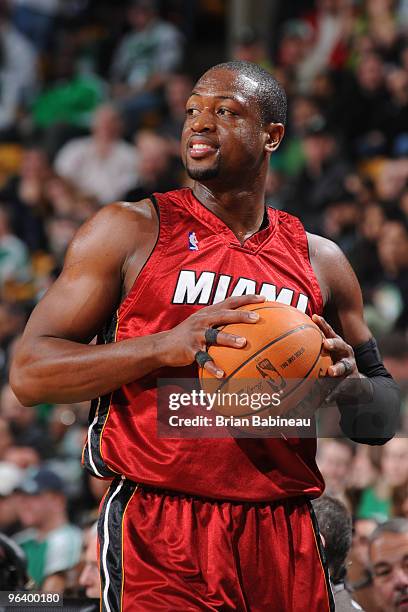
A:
(283, 355)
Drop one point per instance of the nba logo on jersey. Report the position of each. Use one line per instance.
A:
(192, 241)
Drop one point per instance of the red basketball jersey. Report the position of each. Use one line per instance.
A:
(198, 261)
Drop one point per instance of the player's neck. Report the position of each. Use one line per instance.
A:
(242, 210)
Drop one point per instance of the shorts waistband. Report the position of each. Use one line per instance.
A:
(162, 491)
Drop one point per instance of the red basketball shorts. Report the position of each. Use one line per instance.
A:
(168, 552)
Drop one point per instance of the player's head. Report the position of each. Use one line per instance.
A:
(389, 564)
(235, 119)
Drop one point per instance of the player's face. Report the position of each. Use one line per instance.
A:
(389, 560)
(223, 135)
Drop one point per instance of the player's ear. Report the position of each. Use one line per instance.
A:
(274, 134)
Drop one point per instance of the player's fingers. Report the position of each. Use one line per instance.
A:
(327, 329)
(204, 360)
(338, 345)
(213, 369)
(224, 317)
(344, 367)
(224, 339)
(242, 300)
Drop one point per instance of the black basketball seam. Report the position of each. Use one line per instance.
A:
(278, 305)
(285, 335)
(301, 381)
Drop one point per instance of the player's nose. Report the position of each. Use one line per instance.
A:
(204, 122)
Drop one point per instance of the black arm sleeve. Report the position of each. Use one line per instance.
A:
(374, 419)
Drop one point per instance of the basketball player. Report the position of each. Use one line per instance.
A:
(210, 524)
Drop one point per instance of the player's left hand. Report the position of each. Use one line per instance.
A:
(342, 354)
(352, 387)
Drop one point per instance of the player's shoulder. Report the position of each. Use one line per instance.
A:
(123, 216)
(336, 277)
(139, 210)
(116, 230)
(324, 251)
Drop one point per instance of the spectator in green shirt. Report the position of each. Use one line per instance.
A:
(49, 541)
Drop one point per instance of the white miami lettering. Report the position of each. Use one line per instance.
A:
(222, 288)
(244, 286)
(192, 290)
(285, 296)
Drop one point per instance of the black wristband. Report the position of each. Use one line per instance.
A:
(368, 359)
(375, 420)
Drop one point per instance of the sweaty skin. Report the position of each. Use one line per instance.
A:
(223, 133)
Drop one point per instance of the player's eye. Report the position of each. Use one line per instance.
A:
(225, 111)
(192, 112)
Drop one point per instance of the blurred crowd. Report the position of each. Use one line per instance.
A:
(92, 99)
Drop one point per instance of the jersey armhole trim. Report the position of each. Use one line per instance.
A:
(159, 247)
(153, 200)
(303, 246)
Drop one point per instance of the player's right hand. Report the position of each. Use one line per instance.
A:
(183, 342)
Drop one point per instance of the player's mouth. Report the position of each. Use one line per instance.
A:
(200, 147)
(402, 604)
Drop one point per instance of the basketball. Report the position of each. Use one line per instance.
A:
(283, 355)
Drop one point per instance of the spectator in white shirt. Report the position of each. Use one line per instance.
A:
(102, 165)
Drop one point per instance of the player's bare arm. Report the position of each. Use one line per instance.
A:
(343, 303)
(353, 349)
(54, 361)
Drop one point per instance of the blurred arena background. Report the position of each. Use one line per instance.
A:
(92, 97)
